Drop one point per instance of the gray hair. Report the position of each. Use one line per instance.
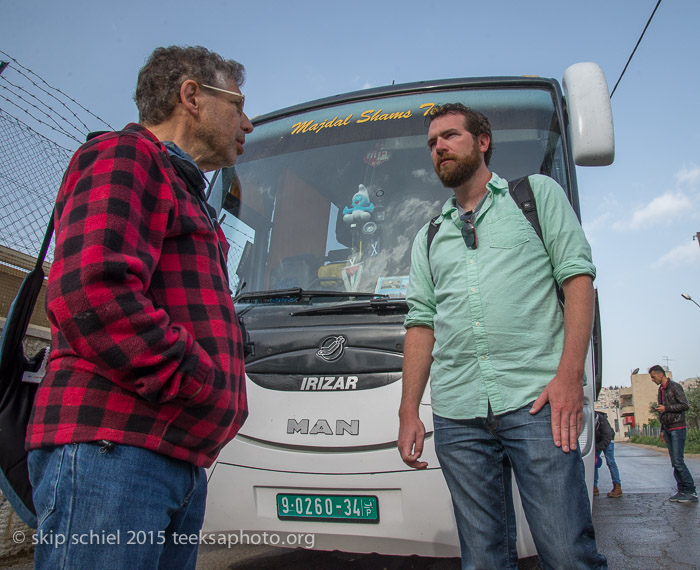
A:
(159, 81)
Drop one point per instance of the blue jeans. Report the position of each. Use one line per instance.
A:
(115, 507)
(477, 456)
(675, 440)
(610, 460)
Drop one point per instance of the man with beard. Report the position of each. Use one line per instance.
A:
(505, 362)
(145, 381)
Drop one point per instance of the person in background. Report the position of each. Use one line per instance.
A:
(672, 405)
(145, 382)
(604, 443)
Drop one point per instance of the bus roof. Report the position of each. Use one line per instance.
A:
(407, 88)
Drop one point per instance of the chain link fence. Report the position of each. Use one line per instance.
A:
(32, 168)
(40, 127)
(645, 431)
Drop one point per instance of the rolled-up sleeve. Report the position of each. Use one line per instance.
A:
(562, 233)
(421, 291)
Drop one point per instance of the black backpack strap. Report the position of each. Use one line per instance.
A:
(521, 192)
(432, 230)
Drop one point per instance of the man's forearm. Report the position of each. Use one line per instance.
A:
(578, 323)
(418, 349)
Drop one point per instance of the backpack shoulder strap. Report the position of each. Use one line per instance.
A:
(521, 192)
(432, 230)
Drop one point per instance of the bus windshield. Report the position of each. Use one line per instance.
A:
(330, 199)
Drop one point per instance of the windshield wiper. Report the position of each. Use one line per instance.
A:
(378, 305)
(297, 293)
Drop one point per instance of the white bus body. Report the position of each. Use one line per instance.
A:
(321, 217)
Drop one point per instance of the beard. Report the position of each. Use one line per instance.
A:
(464, 167)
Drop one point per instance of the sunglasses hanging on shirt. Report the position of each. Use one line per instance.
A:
(468, 229)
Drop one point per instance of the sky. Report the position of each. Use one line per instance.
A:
(640, 214)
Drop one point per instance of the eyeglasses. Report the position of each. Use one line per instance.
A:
(240, 96)
(468, 230)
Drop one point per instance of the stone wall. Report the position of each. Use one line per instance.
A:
(15, 536)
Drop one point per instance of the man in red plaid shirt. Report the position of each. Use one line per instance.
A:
(145, 382)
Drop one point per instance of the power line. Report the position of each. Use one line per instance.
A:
(635, 48)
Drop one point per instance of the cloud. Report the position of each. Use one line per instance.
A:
(425, 176)
(688, 176)
(681, 255)
(662, 209)
(591, 228)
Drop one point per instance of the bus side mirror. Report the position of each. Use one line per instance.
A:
(590, 115)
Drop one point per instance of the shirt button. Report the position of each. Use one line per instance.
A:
(471, 261)
(477, 323)
(473, 289)
(483, 358)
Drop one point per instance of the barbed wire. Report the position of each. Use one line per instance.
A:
(20, 67)
(27, 127)
(31, 172)
(57, 128)
(40, 128)
(32, 164)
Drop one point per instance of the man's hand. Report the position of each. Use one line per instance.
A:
(661, 409)
(411, 438)
(565, 397)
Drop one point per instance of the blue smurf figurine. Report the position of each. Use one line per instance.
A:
(361, 208)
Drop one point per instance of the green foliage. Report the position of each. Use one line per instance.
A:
(654, 423)
(693, 413)
(647, 440)
(692, 441)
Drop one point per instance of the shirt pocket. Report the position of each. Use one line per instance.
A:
(508, 231)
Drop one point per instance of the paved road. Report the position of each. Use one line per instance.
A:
(642, 530)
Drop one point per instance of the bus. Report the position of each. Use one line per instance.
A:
(321, 212)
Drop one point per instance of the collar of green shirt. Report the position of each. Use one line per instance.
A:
(451, 209)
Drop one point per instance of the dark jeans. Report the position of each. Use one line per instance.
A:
(675, 440)
(478, 458)
(612, 465)
(114, 509)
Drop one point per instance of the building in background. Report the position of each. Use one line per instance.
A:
(629, 407)
(608, 402)
(636, 400)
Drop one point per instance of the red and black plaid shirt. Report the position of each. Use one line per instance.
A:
(146, 349)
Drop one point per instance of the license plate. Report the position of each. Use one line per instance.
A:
(328, 508)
